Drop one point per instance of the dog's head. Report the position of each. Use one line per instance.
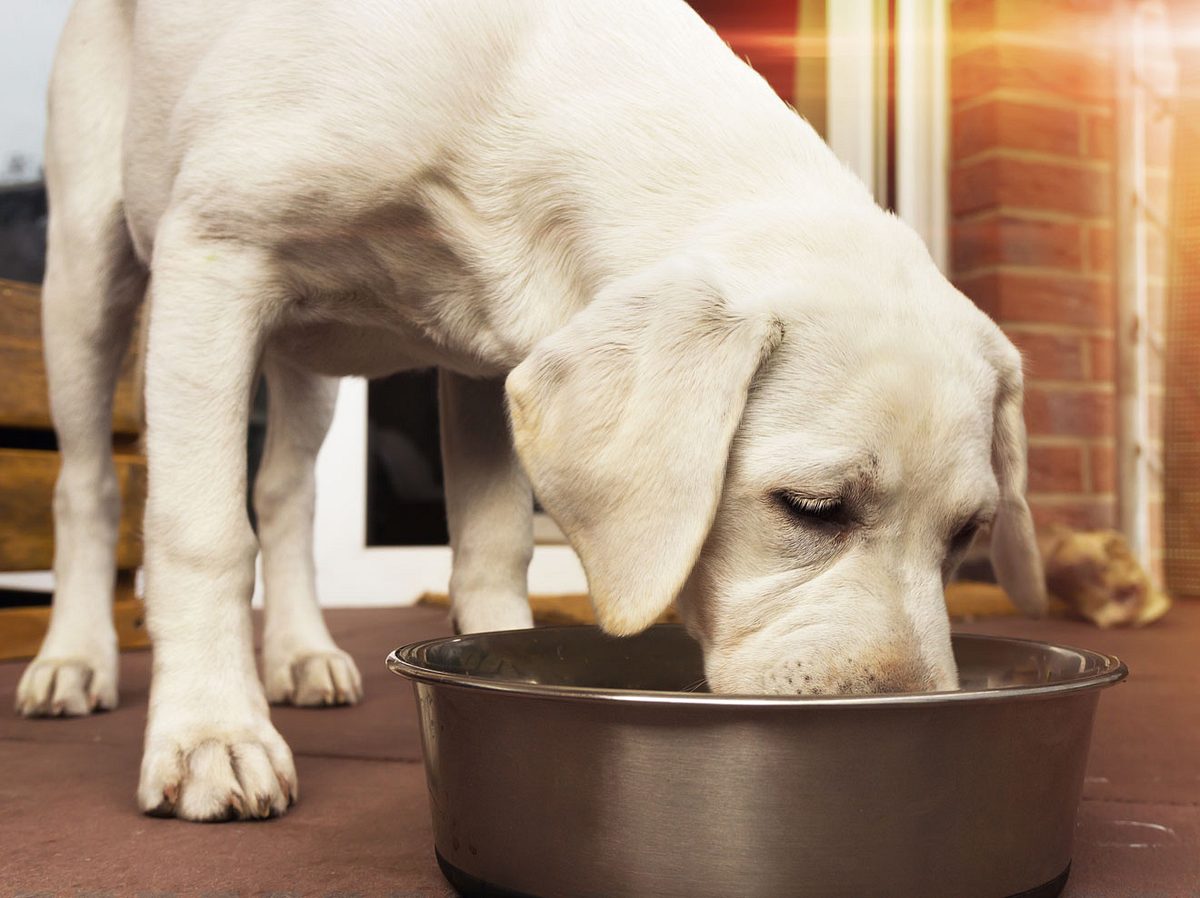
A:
(799, 462)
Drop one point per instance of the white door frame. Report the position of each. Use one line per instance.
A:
(851, 85)
(923, 122)
(349, 572)
(856, 30)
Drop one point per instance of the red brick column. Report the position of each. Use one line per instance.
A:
(1031, 211)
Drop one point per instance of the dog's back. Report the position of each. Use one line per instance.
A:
(334, 109)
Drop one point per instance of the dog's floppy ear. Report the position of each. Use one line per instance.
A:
(1015, 556)
(623, 421)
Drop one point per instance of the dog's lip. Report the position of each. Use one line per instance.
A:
(411, 662)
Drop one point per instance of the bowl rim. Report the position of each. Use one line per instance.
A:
(1112, 670)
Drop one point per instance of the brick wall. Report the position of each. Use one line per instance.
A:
(1031, 196)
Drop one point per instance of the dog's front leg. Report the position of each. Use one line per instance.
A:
(211, 752)
(301, 663)
(91, 293)
(489, 507)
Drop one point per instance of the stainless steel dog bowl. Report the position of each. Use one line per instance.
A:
(563, 763)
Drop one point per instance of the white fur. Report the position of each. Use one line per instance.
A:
(696, 307)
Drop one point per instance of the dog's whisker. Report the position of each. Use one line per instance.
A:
(701, 685)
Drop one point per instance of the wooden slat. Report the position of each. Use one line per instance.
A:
(26, 518)
(23, 391)
(22, 629)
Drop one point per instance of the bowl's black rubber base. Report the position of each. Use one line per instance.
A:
(473, 887)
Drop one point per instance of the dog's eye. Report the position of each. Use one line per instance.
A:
(829, 511)
(961, 541)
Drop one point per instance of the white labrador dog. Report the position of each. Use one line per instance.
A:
(732, 379)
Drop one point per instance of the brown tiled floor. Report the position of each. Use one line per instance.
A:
(68, 825)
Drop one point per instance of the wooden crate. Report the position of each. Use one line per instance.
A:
(29, 465)
(23, 391)
(22, 628)
(26, 520)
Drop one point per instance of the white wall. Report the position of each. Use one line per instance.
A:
(29, 32)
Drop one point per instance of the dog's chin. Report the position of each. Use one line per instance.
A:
(822, 671)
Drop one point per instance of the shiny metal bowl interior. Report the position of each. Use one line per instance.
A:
(563, 762)
(665, 665)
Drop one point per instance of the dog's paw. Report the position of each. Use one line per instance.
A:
(67, 687)
(207, 772)
(314, 679)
